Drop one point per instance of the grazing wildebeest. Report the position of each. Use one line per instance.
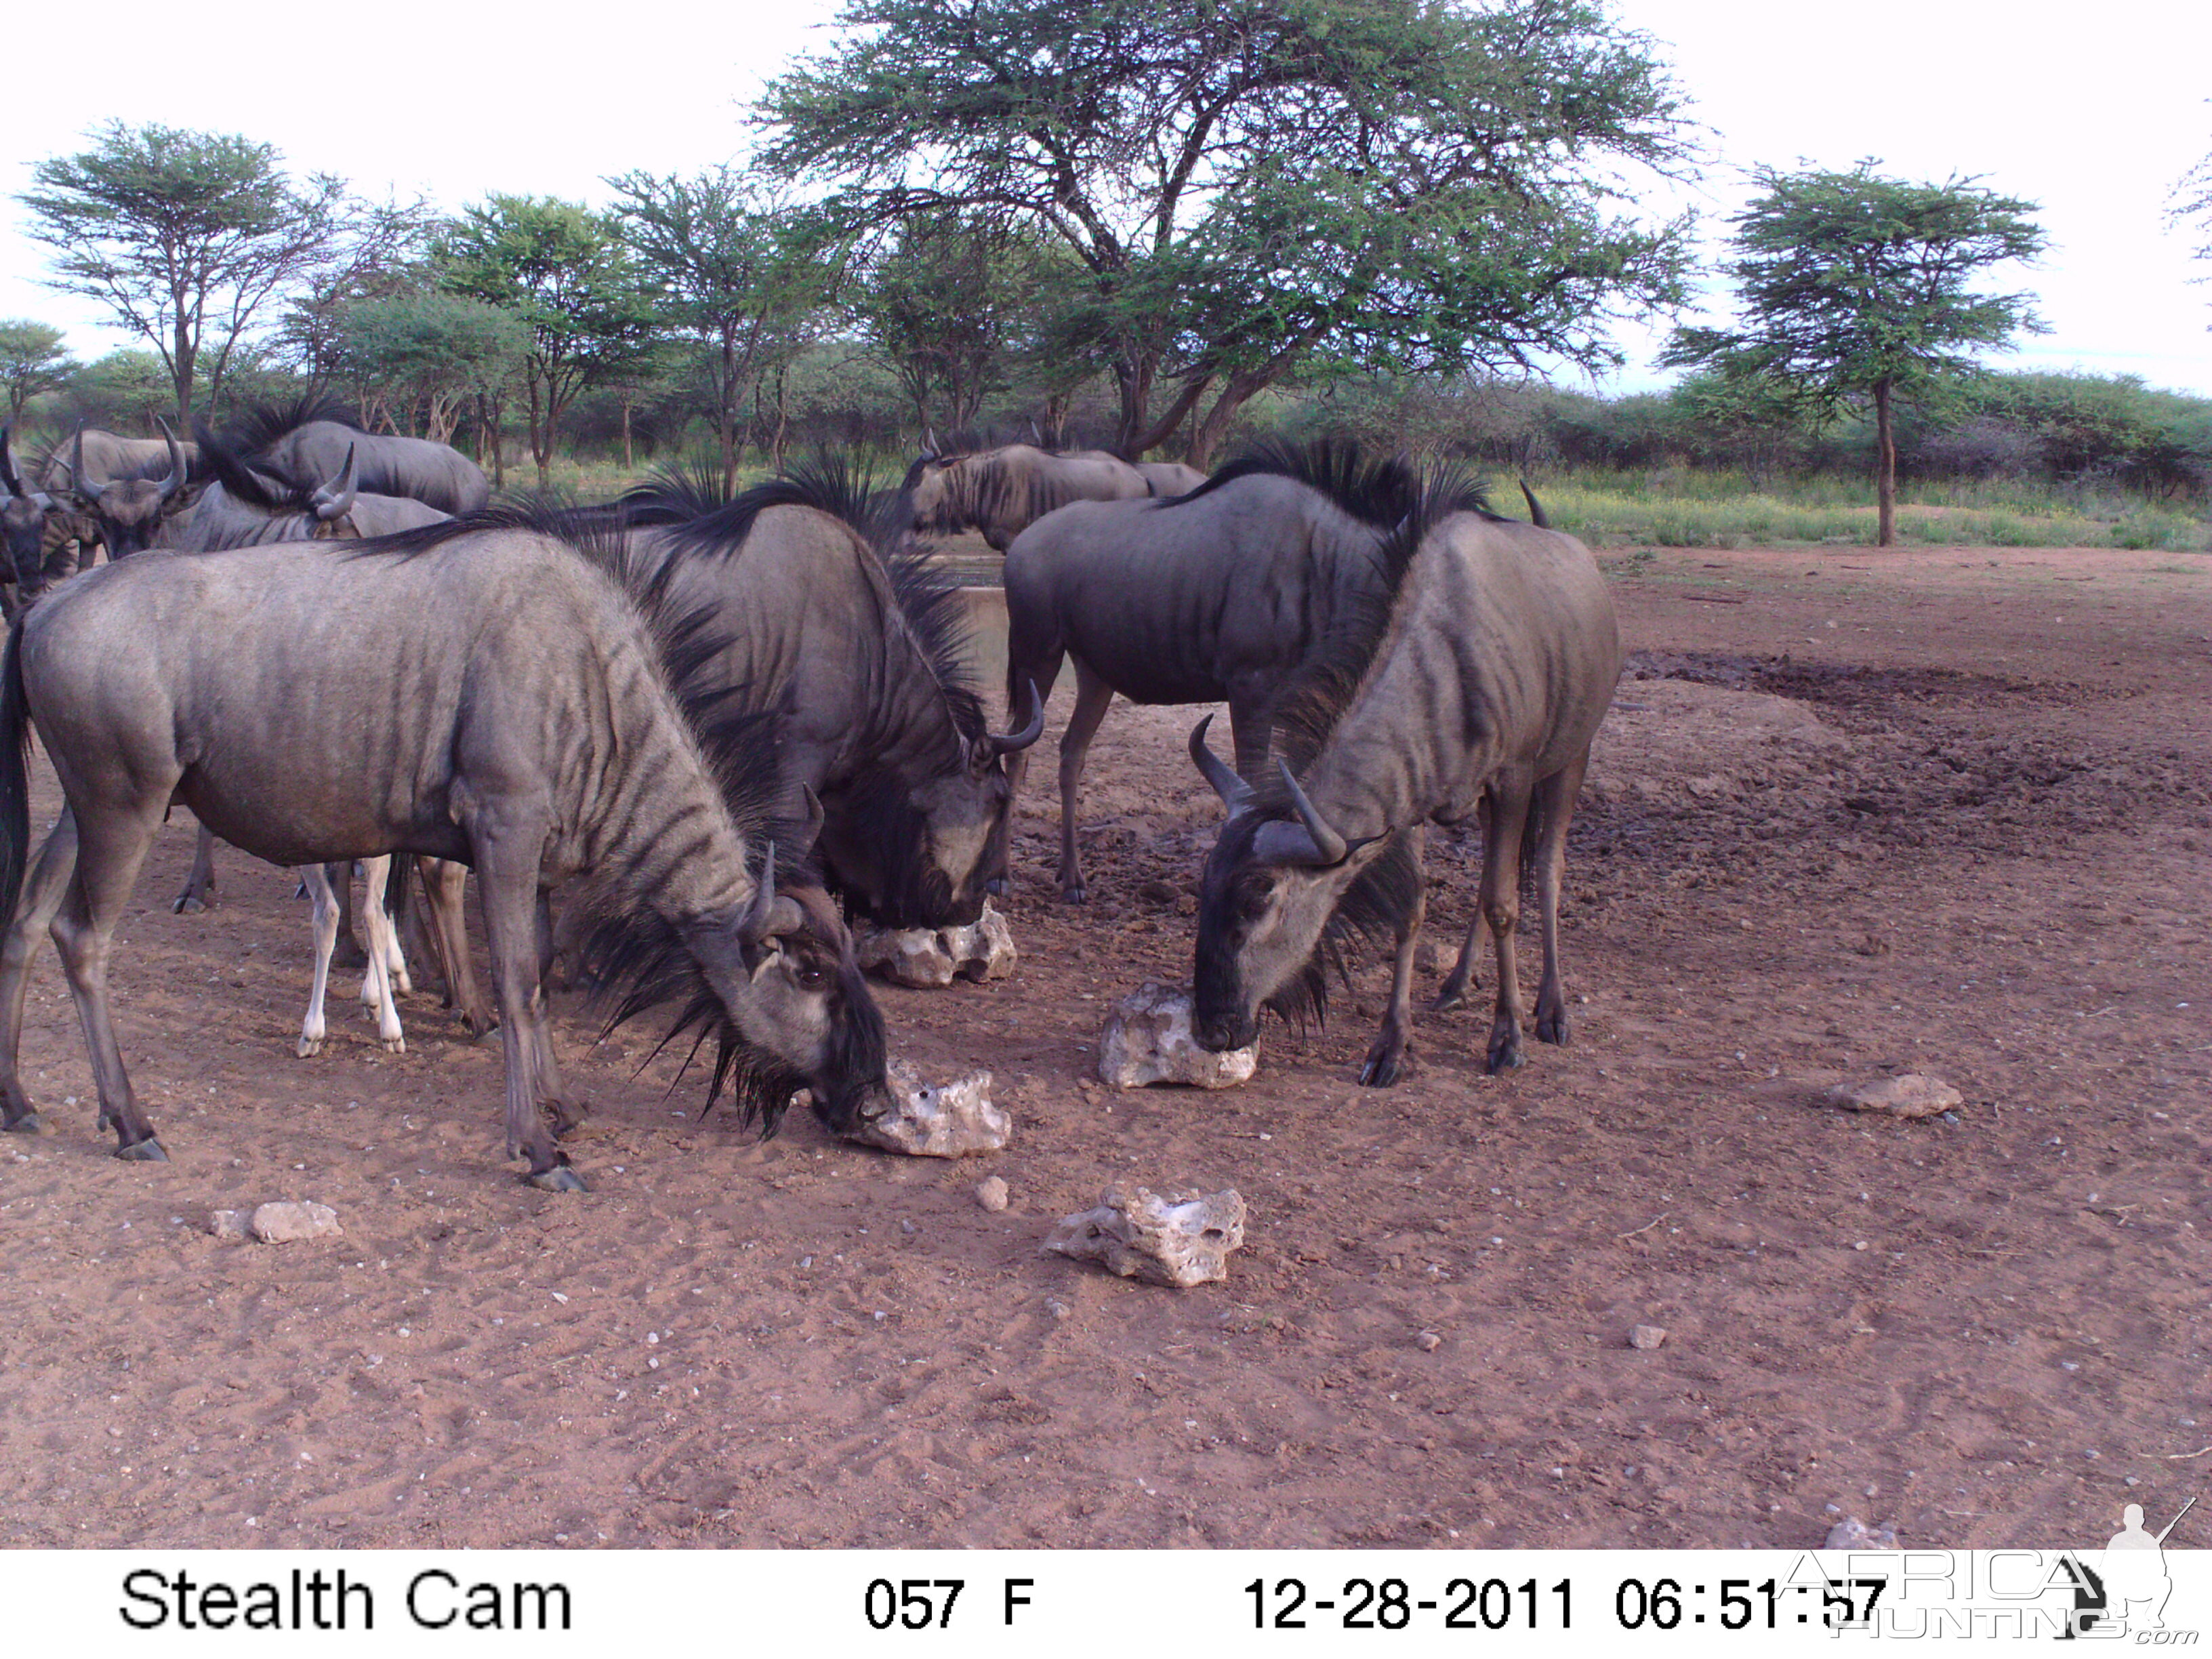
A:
(1223, 594)
(24, 516)
(1001, 492)
(1475, 678)
(311, 438)
(866, 650)
(125, 509)
(483, 695)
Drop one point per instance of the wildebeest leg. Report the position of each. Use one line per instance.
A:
(1093, 695)
(1386, 1061)
(1025, 667)
(381, 983)
(1501, 907)
(312, 1029)
(507, 853)
(109, 852)
(1555, 802)
(42, 897)
(199, 886)
(1453, 994)
(349, 951)
(444, 883)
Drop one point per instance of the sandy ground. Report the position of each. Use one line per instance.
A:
(1861, 813)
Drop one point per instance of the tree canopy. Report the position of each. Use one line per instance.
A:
(561, 271)
(184, 235)
(33, 359)
(1250, 186)
(1853, 288)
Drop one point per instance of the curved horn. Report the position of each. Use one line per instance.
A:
(1329, 847)
(1535, 513)
(814, 818)
(175, 480)
(929, 449)
(335, 500)
(9, 481)
(754, 926)
(1235, 792)
(1013, 741)
(76, 469)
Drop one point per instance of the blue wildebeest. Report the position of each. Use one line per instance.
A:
(1222, 594)
(481, 695)
(243, 507)
(311, 439)
(865, 650)
(1473, 680)
(124, 503)
(1001, 492)
(24, 518)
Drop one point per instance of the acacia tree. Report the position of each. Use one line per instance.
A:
(33, 359)
(945, 303)
(739, 267)
(2191, 201)
(1855, 290)
(563, 271)
(424, 354)
(1249, 185)
(184, 236)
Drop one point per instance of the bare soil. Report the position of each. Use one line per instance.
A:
(1859, 813)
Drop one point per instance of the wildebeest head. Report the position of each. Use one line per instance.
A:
(793, 1010)
(127, 510)
(1279, 882)
(931, 495)
(23, 514)
(926, 851)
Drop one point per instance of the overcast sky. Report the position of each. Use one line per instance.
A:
(2093, 112)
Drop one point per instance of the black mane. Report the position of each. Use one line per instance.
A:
(260, 425)
(225, 463)
(706, 526)
(1378, 490)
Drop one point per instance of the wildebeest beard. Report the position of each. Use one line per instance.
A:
(1368, 917)
(634, 963)
(897, 886)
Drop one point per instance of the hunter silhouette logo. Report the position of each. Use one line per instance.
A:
(2127, 1590)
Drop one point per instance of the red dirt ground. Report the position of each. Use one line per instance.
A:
(1939, 810)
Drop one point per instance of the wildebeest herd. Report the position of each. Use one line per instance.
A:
(684, 742)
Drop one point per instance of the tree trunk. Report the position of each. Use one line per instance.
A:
(629, 455)
(726, 414)
(1885, 468)
(541, 433)
(1207, 434)
(181, 365)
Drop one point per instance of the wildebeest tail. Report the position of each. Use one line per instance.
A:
(14, 775)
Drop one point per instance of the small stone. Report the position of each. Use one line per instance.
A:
(236, 1225)
(1182, 1240)
(292, 1223)
(1853, 1533)
(991, 1192)
(928, 958)
(1909, 1094)
(1647, 1337)
(1148, 1040)
(949, 1121)
(1428, 1341)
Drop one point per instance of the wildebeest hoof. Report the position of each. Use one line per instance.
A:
(189, 904)
(148, 1151)
(558, 1179)
(1505, 1053)
(307, 1048)
(1449, 1001)
(394, 1045)
(1074, 893)
(1553, 1027)
(29, 1124)
(1383, 1068)
(567, 1119)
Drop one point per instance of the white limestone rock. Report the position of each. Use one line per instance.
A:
(1148, 1040)
(952, 1121)
(1182, 1240)
(928, 958)
(1910, 1094)
(291, 1223)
